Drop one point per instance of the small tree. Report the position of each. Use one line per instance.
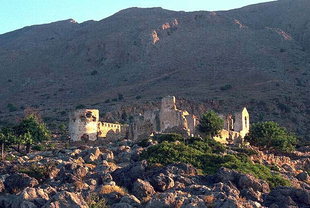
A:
(6, 138)
(30, 130)
(269, 135)
(210, 123)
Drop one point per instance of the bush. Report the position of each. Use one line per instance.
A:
(94, 72)
(168, 137)
(39, 147)
(226, 87)
(11, 107)
(210, 123)
(80, 106)
(269, 135)
(30, 130)
(38, 172)
(94, 201)
(205, 145)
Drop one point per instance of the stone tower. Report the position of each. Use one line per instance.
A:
(170, 117)
(242, 122)
(83, 125)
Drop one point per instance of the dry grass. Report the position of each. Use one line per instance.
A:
(209, 199)
(79, 185)
(107, 189)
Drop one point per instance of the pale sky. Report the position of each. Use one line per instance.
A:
(15, 14)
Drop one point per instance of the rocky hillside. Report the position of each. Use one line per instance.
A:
(257, 56)
(115, 175)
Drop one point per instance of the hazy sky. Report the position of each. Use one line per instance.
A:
(15, 14)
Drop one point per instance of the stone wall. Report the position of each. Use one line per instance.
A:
(165, 120)
(111, 130)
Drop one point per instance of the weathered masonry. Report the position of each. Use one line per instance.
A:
(84, 124)
(236, 126)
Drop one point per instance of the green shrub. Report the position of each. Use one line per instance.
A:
(210, 123)
(167, 153)
(39, 147)
(206, 145)
(244, 150)
(80, 106)
(226, 87)
(168, 137)
(38, 172)
(94, 201)
(11, 107)
(94, 72)
(144, 142)
(269, 135)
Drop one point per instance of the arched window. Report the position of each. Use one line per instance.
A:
(245, 122)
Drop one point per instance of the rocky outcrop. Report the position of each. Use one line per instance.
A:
(17, 182)
(288, 197)
(65, 200)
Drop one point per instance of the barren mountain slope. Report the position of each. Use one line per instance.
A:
(256, 56)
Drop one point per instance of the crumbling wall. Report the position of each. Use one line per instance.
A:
(170, 117)
(83, 125)
(105, 129)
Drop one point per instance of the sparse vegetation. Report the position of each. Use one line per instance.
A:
(94, 72)
(226, 87)
(11, 107)
(95, 201)
(80, 106)
(107, 189)
(206, 154)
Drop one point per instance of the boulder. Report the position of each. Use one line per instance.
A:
(162, 182)
(92, 155)
(130, 199)
(240, 180)
(37, 196)
(66, 199)
(288, 196)
(143, 190)
(303, 176)
(128, 175)
(19, 181)
(121, 205)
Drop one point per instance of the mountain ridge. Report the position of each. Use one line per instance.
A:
(224, 56)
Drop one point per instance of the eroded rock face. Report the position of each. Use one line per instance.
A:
(288, 197)
(17, 182)
(66, 199)
(241, 181)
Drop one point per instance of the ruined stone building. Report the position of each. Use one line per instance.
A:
(84, 124)
(167, 119)
(236, 126)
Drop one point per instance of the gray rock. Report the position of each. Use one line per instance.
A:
(162, 182)
(18, 182)
(66, 199)
(121, 205)
(304, 176)
(143, 190)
